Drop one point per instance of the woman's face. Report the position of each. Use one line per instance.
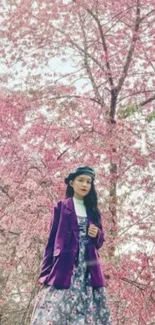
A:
(81, 185)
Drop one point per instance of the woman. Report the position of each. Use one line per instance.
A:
(73, 290)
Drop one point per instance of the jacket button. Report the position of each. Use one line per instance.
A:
(56, 251)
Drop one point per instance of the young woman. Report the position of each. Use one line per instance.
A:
(73, 290)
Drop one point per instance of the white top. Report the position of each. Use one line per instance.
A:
(80, 208)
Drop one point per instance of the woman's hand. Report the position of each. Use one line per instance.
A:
(93, 231)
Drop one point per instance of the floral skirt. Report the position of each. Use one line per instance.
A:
(79, 305)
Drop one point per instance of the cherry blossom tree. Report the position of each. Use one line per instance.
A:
(78, 89)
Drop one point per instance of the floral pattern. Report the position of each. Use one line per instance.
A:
(80, 304)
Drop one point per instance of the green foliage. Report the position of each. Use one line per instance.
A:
(129, 110)
(150, 117)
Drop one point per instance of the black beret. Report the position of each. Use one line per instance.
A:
(79, 171)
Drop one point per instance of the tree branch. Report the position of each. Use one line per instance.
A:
(87, 66)
(131, 49)
(109, 73)
(148, 100)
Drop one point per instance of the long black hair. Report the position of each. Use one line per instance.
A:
(90, 201)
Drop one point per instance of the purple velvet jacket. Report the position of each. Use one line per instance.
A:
(62, 247)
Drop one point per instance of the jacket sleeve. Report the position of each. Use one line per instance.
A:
(48, 252)
(99, 240)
